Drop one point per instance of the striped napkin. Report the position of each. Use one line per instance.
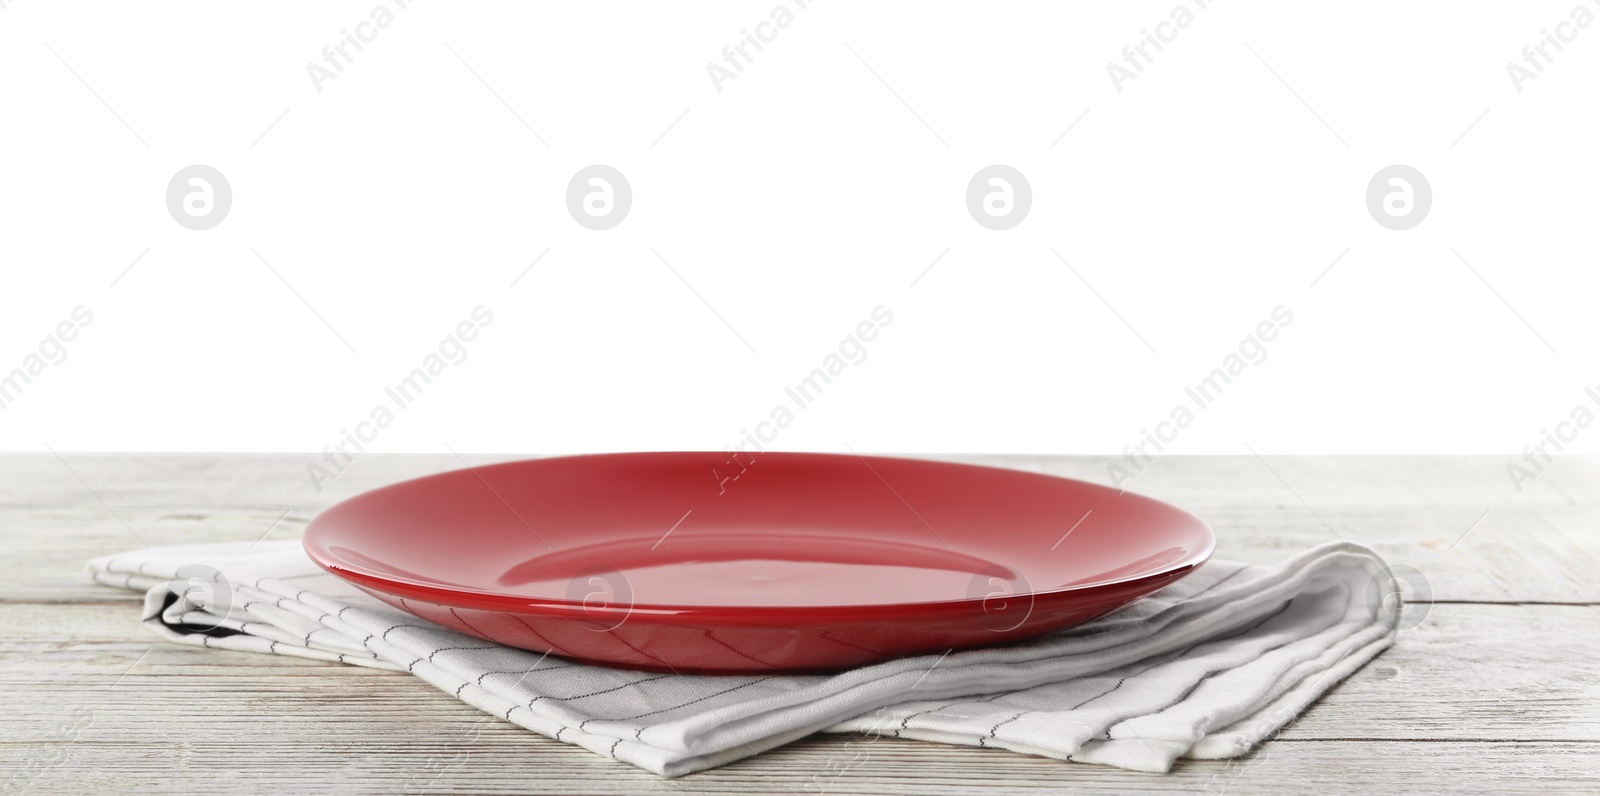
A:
(1206, 668)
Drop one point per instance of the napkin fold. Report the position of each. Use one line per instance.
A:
(1207, 667)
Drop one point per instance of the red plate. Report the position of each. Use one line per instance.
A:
(666, 561)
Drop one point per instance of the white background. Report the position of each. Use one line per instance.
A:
(410, 190)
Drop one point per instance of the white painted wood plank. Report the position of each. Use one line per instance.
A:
(1468, 673)
(490, 764)
(1543, 545)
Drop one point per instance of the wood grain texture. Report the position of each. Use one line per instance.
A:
(1495, 689)
(1538, 680)
(1426, 513)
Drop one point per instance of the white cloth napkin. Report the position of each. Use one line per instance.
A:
(1205, 668)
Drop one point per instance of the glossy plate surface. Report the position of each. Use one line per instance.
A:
(779, 561)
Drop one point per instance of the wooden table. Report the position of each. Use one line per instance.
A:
(1493, 687)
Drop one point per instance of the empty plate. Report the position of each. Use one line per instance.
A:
(698, 562)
